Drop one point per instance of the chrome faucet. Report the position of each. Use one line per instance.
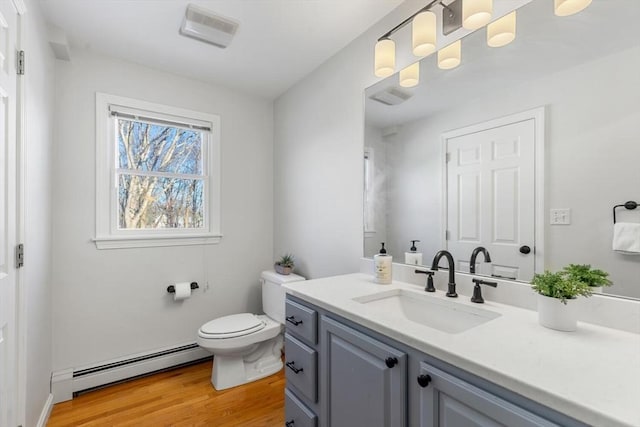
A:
(451, 287)
(474, 254)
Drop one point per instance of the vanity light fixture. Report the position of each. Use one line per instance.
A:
(423, 33)
(476, 13)
(569, 7)
(410, 76)
(449, 56)
(385, 57)
(502, 31)
(423, 37)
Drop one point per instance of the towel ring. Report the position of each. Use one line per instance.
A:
(630, 205)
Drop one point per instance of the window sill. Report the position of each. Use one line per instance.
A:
(124, 242)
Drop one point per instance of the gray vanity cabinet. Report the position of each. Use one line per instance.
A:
(448, 401)
(364, 381)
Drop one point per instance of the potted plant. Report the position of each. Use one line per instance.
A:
(285, 264)
(594, 278)
(556, 299)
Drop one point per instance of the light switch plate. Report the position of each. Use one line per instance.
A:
(560, 217)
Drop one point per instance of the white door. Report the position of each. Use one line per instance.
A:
(491, 198)
(8, 212)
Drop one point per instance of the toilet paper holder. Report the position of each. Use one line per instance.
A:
(172, 289)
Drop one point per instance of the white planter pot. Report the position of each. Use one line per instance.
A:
(553, 314)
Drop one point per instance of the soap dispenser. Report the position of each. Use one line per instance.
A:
(382, 265)
(413, 257)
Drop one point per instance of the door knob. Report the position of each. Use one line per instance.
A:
(525, 249)
(424, 380)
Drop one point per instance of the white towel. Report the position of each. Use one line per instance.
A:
(626, 238)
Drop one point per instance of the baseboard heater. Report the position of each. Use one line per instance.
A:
(72, 382)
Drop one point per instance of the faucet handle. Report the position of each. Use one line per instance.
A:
(477, 291)
(429, 287)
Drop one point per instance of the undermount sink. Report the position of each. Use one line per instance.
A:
(427, 310)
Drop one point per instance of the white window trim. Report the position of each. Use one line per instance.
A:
(369, 211)
(107, 234)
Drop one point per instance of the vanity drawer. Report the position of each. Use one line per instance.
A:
(302, 321)
(296, 413)
(301, 367)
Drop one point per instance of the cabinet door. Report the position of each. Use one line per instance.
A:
(364, 380)
(447, 401)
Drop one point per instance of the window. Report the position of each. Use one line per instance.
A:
(369, 194)
(157, 175)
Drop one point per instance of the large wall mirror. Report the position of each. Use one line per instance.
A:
(576, 81)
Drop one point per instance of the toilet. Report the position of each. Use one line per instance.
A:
(246, 346)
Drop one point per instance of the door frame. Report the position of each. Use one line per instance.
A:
(538, 115)
(21, 303)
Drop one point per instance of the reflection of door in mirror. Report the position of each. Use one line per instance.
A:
(490, 193)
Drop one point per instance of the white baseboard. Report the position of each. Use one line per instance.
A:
(67, 382)
(46, 411)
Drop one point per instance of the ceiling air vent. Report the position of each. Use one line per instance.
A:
(203, 25)
(391, 96)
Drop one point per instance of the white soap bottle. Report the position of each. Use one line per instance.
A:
(382, 265)
(413, 257)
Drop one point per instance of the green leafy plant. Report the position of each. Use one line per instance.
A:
(559, 285)
(584, 273)
(286, 260)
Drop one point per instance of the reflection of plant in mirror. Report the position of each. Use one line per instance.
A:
(559, 285)
(584, 273)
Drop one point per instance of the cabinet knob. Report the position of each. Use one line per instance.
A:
(424, 380)
(525, 249)
(391, 362)
(290, 423)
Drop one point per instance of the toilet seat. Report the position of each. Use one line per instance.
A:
(232, 326)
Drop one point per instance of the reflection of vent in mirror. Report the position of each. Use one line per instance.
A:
(391, 96)
(203, 25)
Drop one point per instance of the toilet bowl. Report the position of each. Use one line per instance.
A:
(246, 346)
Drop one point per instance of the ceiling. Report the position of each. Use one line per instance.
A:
(277, 43)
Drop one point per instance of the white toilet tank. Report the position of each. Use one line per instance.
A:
(273, 294)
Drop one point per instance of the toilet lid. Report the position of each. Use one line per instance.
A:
(232, 326)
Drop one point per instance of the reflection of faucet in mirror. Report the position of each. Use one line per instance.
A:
(451, 286)
(474, 254)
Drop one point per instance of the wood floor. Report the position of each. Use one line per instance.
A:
(182, 397)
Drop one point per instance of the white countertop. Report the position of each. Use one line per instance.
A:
(592, 375)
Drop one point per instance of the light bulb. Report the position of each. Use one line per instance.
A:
(410, 76)
(476, 13)
(424, 33)
(449, 56)
(502, 31)
(385, 58)
(569, 7)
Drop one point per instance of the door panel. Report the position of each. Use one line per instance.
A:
(361, 386)
(490, 197)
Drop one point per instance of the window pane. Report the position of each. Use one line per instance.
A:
(149, 147)
(152, 202)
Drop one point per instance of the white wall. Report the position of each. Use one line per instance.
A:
(319, 133)
(113, 303)
(38, 84)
